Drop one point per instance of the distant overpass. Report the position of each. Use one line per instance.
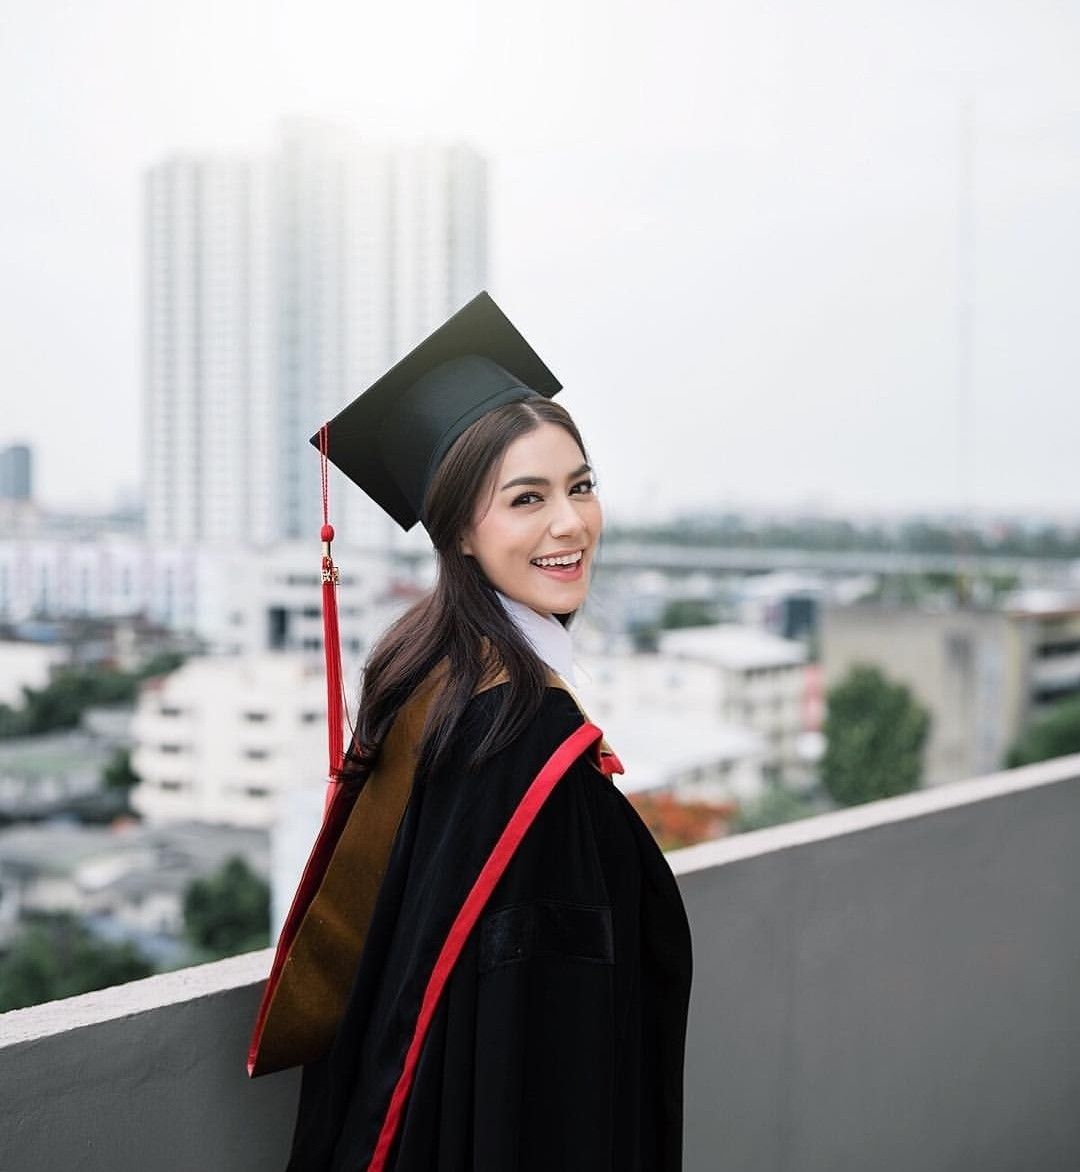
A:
(671, 558)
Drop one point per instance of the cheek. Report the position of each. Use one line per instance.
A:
(497, 539)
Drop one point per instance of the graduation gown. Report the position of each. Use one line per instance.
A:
(549, 1035)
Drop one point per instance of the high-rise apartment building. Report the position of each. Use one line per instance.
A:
(209, 378)
(277, 289)
(16, 481)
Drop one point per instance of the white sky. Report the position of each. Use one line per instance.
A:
(730, 227)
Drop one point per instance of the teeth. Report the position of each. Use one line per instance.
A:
(570, 559)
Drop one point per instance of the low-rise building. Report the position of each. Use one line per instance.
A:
(220, 738)
(983, 673)
(691, 756)
(130, 879)
(25, 664)
(663, 716)
(758, 682)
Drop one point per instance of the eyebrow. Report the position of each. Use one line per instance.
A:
(542, 481)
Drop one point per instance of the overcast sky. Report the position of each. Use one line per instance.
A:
(731, 228)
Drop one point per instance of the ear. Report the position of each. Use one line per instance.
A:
(466, 546)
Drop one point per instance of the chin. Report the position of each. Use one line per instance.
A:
(564, 602)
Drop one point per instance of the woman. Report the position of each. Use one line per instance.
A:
(520, 998)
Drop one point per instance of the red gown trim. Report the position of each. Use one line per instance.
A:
(510, 839)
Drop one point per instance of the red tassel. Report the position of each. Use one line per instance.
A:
(332, 647)
(335, 690)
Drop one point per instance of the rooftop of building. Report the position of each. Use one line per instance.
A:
(662, 746)
(734, 646)
(132, 853)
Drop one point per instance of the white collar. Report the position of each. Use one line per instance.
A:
(547, 636)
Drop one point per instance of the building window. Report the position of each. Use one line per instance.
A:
(309, 717)
(256, 791)
(256, 717)
(171, 786)
(169, 711)
(173, 749)
(1049, 650)
(257, 754)
(277, 633)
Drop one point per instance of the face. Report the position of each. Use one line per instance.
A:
(536, 539)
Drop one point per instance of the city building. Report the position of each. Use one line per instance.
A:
(26, 665)
(277, 288)
(104, 576)
(127, 881)
(53, 775)
(757, 681)
(251, 601)
(209, 321)
(16, 473)
(784, 602)
(984, 674)
(231, 600)
(222, 737)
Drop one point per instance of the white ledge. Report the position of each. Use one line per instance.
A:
(134, 998)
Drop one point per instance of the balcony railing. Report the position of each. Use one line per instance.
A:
(892, 988)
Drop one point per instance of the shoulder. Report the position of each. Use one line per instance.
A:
(556, 718)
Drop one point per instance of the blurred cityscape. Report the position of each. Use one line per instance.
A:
(162, 704)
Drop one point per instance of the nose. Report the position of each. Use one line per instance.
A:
(565, 520)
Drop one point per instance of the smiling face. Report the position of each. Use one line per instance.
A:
(536, 538)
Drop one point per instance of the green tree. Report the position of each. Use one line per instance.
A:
(773, 807)
(1056, 734)
(228, 912)
(56, 956)
(118, 774)
(875, 732)
(687, 612)
(61, 703)
(12, 721)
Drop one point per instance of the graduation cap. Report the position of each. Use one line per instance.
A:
(393, 437)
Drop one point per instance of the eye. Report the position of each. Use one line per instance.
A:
(584, 487)
(526, 498)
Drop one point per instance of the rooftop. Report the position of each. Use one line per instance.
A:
(733, 646)
(659, 748)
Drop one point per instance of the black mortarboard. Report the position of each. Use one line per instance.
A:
(392, 438)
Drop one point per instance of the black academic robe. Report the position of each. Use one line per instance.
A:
(557, 1042)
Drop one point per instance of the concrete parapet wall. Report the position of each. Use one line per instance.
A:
(144, 1077)
(894, 988)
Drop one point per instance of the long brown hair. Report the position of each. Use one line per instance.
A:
(460, 624)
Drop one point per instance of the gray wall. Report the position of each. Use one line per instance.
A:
(905, 998)
(889, 989)
(147, 1077)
